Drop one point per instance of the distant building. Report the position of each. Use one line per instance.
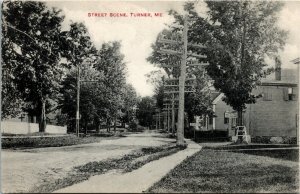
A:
(25, 117)
(221, 109)
(25, 123)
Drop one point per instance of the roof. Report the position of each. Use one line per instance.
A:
(214, 95)
(288, 76)
(278, 83)
(296, 61)
(218, 96)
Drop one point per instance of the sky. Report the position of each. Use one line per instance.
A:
(138, 33)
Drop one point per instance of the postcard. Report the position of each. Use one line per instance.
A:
(150, 96)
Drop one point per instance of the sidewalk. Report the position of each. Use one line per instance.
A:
(136, 181)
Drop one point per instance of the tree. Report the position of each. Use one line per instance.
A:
(104, 97)
(130, 100)
(197, 103)
(146, 109)
(242, 33)
(169, 63)
(31, 31)
(111, 64)
(11, 102)
(77, 44)
(156, 78)
(78, 50)
(239, 35)
(90, 97)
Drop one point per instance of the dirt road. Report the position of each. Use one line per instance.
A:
(21, 170)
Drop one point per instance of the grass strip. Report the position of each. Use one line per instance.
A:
(252, 146)
(127, 163)
(229, 172)
(280, 151)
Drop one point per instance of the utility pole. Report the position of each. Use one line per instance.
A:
(159, 125)
(181, 86)
(156, 121)
(297, 62)
(180, 129)
(78, 98)
(173, 115)
(168, 118)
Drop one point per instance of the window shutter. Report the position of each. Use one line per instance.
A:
(294, 94)
(285, 94)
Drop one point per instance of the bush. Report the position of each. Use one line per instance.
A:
(19, 142)
(289, 140)
(211, 135)
(140, 128)
(45, 141)
(260, 139)
(267, 140)
(133, 126)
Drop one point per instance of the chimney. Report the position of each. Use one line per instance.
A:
(277, 69)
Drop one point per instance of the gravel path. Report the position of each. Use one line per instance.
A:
(23, 169)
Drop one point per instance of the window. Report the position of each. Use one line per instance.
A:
(288, 94)
(267, 95)
(233, 120)
(210, 120)
(226, 120)
(204, 121)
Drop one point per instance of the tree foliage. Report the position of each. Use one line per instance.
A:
(90, 98)
(42, 63)
(146, 109)
(130, 100)
(111, 64)
(77, 44)
(31, 42)
(240, 36)
(197, 103)
(156, 78)
(107, 97)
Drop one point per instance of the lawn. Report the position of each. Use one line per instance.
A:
(223, 171)
(285, 154)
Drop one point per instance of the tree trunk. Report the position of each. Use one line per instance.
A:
(156, 119)
(97, 125)
(85, 125)
(240, 118)
(115, 124)
(42, 124)
(108, 125)
(159, 125)
(97, 128)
